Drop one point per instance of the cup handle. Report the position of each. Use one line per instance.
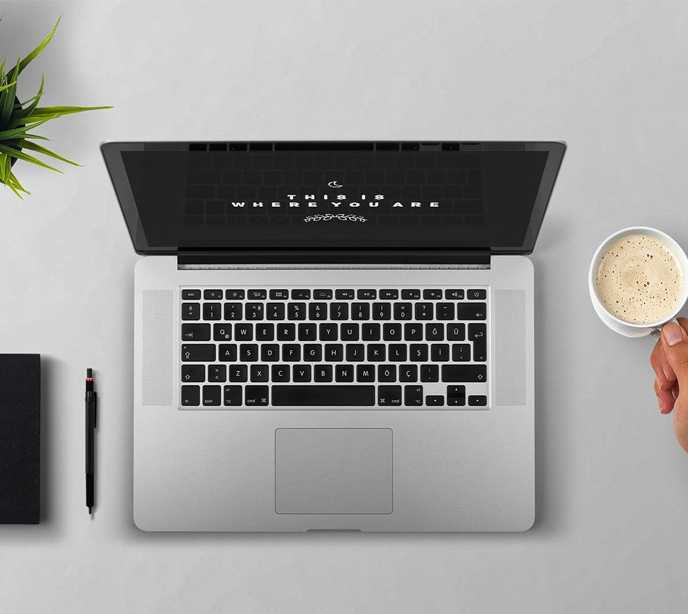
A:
(657, 332)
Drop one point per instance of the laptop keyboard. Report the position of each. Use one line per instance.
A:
(386, 348)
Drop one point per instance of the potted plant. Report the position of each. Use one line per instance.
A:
(19, 119)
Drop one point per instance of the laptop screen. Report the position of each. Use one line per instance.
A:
(333, 196)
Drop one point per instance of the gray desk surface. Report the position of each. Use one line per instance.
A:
(612, 484)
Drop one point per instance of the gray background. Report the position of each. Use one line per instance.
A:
(612, 484)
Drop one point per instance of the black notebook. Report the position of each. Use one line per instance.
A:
(20, 443)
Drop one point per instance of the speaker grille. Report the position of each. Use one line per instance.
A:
(510, 347)
(156, 376)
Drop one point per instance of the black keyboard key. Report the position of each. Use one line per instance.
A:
(212, 395)
(397, 352)
(430, 295)
(413, 332)
(269, 352)
(360, 311)
(445, 311)
(308, 332)
(279, 294)
(280, 373)
(430, 373)
(212, 311)
(344, 373)
(322, 373)
(213, 295)
(456, 332)
(300, 295)
(408, 373)
(191, 311)
(296, 311)
(439, 352)
(322, 295)
(382, 311)
(339, 311)
(329, 332)
(386, 373)
(238, 373)
(343, 294)
(217, 373)
(456, 295)
(418, 352)
(196, 332)
(349, 332)
(390, 295)
(476, 295)
(233, 396)
(478, 334)
(265, 332)
(434, 332)
(191, 396)
(255, 311)
(424, 311)
(234, 311)
(191, 295)
(355, 352)
(464, 373)
(477, 400)
(376, 352)
(403, 311)
(410, 295)
(248, 352)
(257, 295)
(291, 352)
(391, 332)
(234, 295)
(332, 395)
(461, 352)
(334, 352)
(198, 352)
(286, 332)
(227, 352)
(388, 395)
(243, 332)
(370, 332)
(456, 391)
(275, 311)
(312, 352)
(413, 396)
(365, 373)
(366, 295)
(256, 395)
(221, 332)
(193, 373)
(471, 311)
(456, 401)
(317, 311)
(302, 373)
(434, 400)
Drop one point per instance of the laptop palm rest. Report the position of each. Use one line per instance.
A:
(333, 471)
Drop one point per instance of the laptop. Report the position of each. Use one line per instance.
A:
(333, 336)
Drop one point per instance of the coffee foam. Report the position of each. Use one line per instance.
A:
(639, 279)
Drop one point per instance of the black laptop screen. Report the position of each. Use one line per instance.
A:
(333, 196)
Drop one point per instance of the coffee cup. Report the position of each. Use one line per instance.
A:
(674, 292)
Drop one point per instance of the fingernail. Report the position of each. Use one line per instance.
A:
(672, 333)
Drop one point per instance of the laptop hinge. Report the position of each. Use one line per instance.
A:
(373, 259)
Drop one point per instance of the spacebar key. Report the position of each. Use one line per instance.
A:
(464, 373)
(323, 395)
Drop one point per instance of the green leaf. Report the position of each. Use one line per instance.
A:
(11, 183)
(21, 65)
(4, 87)
(20, 155)
(15, 182)
(20, 111)
(42, 150)
(16, 133)
(59, 111)
(7, 100)
(5, 167)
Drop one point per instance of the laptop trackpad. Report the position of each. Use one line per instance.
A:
(333, 471)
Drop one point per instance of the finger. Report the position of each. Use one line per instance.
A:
(665, 399)
(657, 359)
(675, 344)
(666, 367)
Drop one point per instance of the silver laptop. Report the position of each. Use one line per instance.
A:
(333, 336)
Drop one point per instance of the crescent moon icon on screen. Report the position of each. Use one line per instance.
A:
(334, 184)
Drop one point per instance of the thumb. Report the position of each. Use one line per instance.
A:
(675, 343)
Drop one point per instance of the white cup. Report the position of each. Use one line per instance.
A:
(626, 328)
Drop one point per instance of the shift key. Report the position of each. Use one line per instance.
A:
(464, 373)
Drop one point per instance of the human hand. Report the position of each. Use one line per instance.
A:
(669, 359)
